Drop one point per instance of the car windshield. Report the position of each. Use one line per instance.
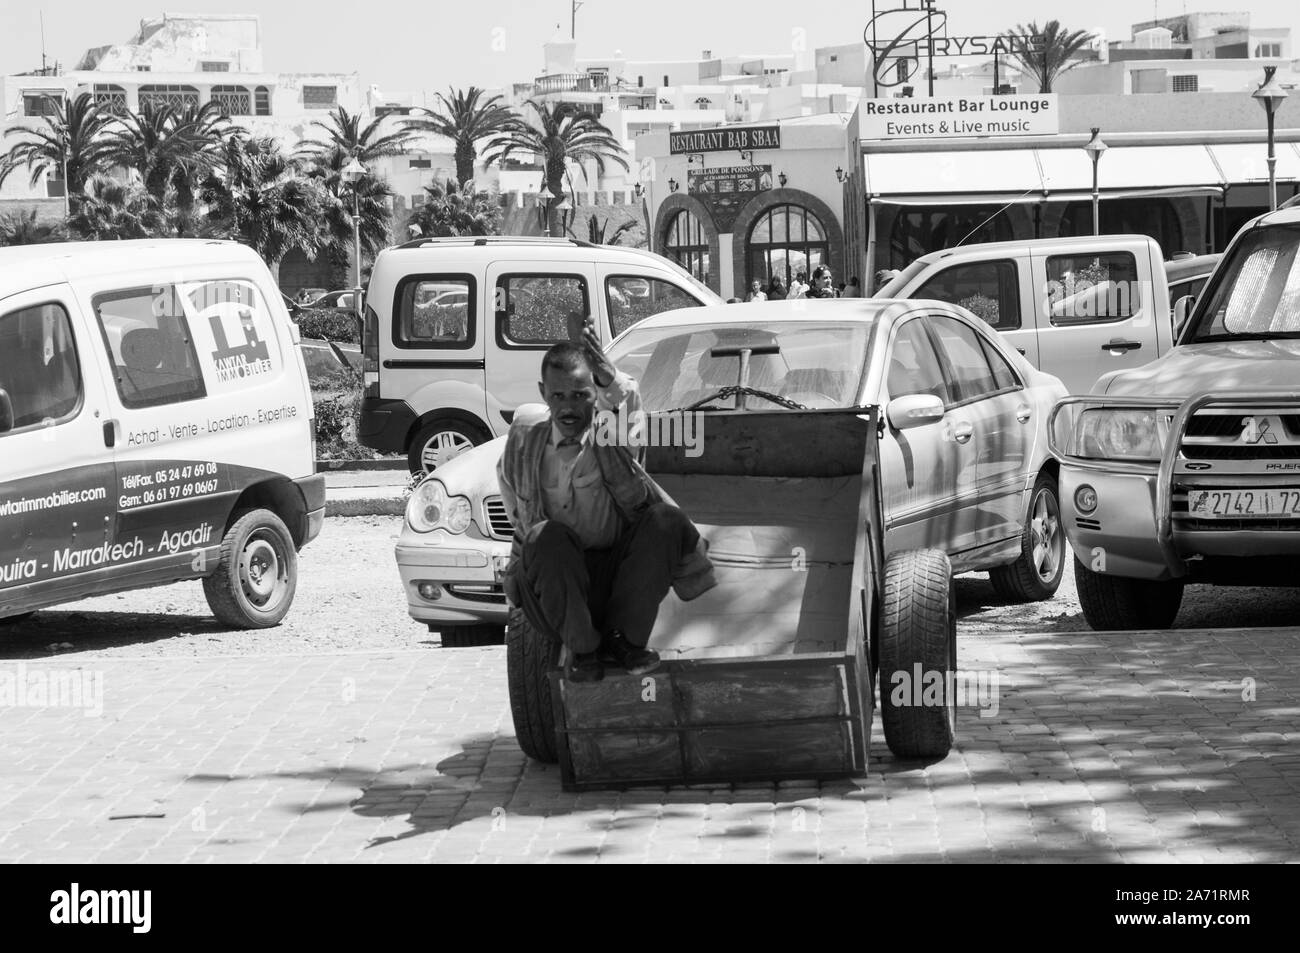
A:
(815, 365)
(1257, 294)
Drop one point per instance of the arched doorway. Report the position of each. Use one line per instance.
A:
(784, 241)
(687, 244)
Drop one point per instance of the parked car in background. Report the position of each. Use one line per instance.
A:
(963, 443)
(1188, 470)
(342, 300)
(455, 328)
(1076, 308)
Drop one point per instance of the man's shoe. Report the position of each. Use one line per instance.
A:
(637, 661)
(584, 667)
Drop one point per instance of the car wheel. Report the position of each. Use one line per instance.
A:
(1036, 574)
(439, 441)
(530, 656)
(254, 585)
(918, 636)
(470, 636)
(1112, 603)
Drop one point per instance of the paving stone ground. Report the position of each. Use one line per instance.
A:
(1177, 746)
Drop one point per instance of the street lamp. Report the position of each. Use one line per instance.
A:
(1270, 96)
(544, 197)
(1095, 148)
(352, 174)
(564, 206)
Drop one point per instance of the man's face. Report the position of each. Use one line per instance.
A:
(571, 396)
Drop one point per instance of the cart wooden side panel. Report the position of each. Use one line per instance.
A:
(765, 677)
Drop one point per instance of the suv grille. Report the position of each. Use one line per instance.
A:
(1220, 436)
(498, 522)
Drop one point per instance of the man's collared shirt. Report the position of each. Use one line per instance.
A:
(575, 490)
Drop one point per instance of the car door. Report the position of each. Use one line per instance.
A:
(992, 400)
(928, 495)
(58, 483)
(534, 303)
(995, 291)
(1095, 317)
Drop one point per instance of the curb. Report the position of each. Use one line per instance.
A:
(387, 463)
(370, 506)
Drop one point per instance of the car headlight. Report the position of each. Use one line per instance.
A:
(432, 508)
(1120, 434)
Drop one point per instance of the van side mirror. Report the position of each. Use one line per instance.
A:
(1182, 311)
(914, 410)
(6, 412)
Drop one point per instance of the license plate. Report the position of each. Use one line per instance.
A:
(1243, 504)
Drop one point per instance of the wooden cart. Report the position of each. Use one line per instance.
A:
(770, 675)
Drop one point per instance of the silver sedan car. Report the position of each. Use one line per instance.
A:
(963, 443)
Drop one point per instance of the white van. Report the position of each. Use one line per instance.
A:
(455, 329)
(155, 425)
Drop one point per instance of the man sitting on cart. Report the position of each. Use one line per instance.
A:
(597, 543)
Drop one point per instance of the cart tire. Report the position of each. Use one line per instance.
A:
(530, 656)
(471, 636)
(1113, 603)
(918, 627)
(254, 585)
(1036, 574)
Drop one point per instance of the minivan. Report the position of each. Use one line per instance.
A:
(156, 424)
(455, 328)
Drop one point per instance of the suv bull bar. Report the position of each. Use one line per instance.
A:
(1182, 413)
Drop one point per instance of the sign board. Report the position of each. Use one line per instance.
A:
(726, 189)
(724, 139)
(959, 116)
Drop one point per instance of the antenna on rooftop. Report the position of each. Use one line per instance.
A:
(573, 19)
(42, 15)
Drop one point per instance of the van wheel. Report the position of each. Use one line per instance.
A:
(1036, 574)
(1115, 603)
(255, 583)
(439, 441)
(918, 637)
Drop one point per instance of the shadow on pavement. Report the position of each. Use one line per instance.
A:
(34, 637)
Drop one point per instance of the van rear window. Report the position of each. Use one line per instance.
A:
(435, 311)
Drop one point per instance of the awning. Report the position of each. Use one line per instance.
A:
(1245, 162)
(1005, 176)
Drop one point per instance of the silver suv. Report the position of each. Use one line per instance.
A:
(1188, 469)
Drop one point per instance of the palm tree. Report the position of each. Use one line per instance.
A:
(262, 199)
(596, 230)
(451, 210)
(347, 137)
(1055, 56)
(373, 205)
(114, 209)
(465, 120)
(173, 149)
(17, 228)
(74, 136)
(563, 133)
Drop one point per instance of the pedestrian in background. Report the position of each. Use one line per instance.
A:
(821, 286)
(854, 290)
(756, 291)
(776, 290)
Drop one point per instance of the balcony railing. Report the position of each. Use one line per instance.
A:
(572, 83)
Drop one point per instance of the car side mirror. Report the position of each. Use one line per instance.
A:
(914, 410)
(1182, 311)
(6, 412)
